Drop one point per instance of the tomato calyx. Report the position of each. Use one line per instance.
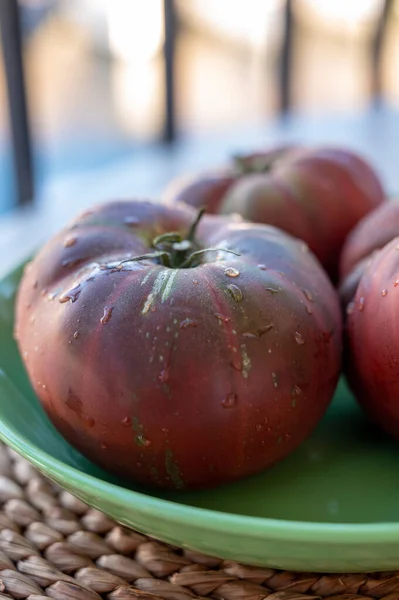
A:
(256, 163)
(179, 252)
(173, 250)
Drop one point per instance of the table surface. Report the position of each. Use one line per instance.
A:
(374, 133)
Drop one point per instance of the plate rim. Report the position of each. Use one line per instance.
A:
(205, 518)
(309, 532)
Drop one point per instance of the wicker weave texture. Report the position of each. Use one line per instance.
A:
(53, 545)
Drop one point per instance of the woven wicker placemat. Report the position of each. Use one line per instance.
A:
(53, 545)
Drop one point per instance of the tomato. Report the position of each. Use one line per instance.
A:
(372, 233)
(175, 350)
(372, 339)
(317, 195)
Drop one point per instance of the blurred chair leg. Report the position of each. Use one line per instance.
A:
(285, 60)
(377, 48)
(169, 132)
(12, 52)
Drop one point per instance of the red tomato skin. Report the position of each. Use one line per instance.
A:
(373, 340)
(373, 232)
(317, 195)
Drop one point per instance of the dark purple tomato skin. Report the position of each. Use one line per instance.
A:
(179, 378)
(315, 194)
(373, 232)
(373, 339)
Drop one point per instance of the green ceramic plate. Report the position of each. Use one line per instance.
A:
(331, 506)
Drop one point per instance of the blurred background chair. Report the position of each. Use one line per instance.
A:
(104, 80)
(11, 37)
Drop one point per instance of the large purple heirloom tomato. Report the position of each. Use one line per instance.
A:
(178, 351)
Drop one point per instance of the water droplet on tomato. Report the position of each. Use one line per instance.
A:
(235, 292)
(298, 338)
(308, 295)
(104, 446)
(259, 332)
(396, 283)
(188, 323)
(107, 315)
(71, 295)
(237, 366)
(142, 441)
(275, 379)
(131, 221)
(229, 400)
(308, 309)
(195, 281)
(262, 267)
(126, 422)
(32, 319)
(361, 304)
(231, 272)
(51, 296)
(350, 308)
(76, 334)
(222, 318)
(70, 241)
(384, 292)
(296, 390)
(272, 290)
(259, 427)
(74, 403)
(164, 375)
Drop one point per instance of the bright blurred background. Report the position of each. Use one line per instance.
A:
(95, 74)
